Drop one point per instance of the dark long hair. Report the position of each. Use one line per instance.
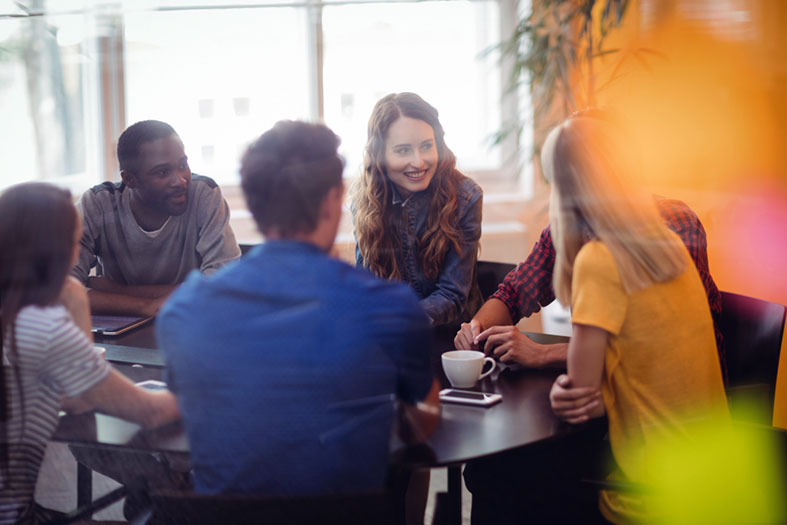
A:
(374, 229)
(37, 226)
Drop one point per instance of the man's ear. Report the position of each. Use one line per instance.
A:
(129, 179)
(325, 211)
(332, 203)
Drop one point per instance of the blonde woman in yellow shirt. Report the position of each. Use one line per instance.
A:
(642, 330)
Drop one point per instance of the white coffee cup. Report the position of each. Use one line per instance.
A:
(100, 350)
(463, 367)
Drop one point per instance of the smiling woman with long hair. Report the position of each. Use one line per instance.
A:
(47, 349)
(417, 218)
(642, 329)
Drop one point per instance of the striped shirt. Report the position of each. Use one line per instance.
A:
(528, 287)
(53, 359)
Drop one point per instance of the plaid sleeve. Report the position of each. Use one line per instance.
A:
(683, 221)
(528, 287)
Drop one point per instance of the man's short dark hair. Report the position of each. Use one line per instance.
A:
(287, 172)
(135, 135)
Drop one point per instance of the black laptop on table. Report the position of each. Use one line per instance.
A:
(116, 324)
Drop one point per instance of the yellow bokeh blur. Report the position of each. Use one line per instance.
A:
(723, 474)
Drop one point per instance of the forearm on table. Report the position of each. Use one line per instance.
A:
(75, 405)
(122, 304)
(494, 312)
(553, 355)
(117, 396)
(148, 291)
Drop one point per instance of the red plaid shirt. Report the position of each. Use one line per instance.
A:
(528, 287)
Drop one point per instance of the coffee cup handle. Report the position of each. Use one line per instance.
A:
(494, 364)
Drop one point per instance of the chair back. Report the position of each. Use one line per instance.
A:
(245, 248)
(174, 508)
(490, 274)
(753, 331)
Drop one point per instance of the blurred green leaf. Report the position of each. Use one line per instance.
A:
(553, 43)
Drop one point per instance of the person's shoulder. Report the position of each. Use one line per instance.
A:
(469, 187)
(43, 314)
(680, 218)
(206, 194)
(371, 288)
(201, 181)
(182, 310)
(594, 254)
(674, 208)
(103, 191)
(41, 322)
(107, 187)
(595, 264)
(349, 275)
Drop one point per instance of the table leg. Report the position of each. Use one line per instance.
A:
(84, 485)
(455, 494)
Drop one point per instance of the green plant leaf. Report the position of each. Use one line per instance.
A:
(653, 52)
(552, 43)
(605, 52)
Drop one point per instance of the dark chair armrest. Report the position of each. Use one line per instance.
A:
(85, 511)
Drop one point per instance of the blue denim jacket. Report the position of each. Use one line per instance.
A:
(454, 295)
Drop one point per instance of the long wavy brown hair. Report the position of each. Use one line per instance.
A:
(376, 235)
(37, 226)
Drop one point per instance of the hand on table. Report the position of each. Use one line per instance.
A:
(509, 345)
(152, 306)
(102, 284)
(575, 404)
(465, 337)
(75, 405)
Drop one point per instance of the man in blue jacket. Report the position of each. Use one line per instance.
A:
(290, 366)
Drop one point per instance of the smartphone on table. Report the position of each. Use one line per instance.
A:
(152, 384)
(469, 397)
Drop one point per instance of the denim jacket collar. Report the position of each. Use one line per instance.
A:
(396, 197)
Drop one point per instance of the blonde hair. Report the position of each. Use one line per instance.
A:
(590, 169)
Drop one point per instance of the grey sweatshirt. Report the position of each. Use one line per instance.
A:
(200, 238)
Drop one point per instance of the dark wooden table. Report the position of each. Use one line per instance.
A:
(136, 346)
(464, 432)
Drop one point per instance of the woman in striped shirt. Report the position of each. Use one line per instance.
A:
(48, 358)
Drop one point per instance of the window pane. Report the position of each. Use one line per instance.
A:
(190, 4)
(430, 48)
(220, 77)
(43, 71)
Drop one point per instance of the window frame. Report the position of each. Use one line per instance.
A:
(105, 117)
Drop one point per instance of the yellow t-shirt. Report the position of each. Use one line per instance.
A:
(661, 368)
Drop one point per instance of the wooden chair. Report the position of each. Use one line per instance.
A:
(195, 509)
(753, 330)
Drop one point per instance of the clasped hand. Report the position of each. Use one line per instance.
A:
(504, 342)
(575, 404)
